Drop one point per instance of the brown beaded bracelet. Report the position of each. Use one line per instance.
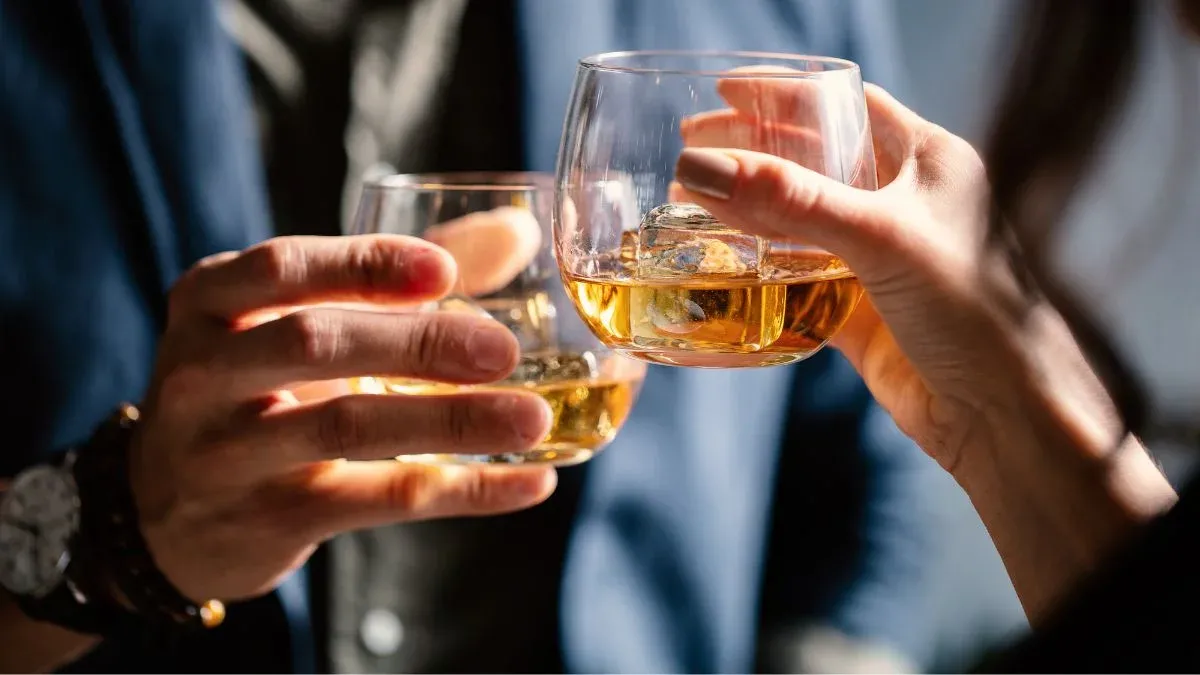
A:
(120, 565)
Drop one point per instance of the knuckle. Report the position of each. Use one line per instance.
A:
(936, 141)
(371, 264)
(409, 493)
(474, 490)
(187, 291)
(958, 146)
(313, 337)
(458, 420)
(276, 260)
(945, 159)
(422, 494)
(966, 153)
(342, 427)
(213, 261)
(426, 342)
(179, 298)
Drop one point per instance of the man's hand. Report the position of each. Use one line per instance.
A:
(236, 481)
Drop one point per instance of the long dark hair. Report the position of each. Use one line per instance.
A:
(1071, 73)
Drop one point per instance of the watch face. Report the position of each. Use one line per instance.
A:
(38, 515)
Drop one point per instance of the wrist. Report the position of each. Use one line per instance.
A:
(1058, 490)
(1051, 422)
(71, 549)
(127, 574)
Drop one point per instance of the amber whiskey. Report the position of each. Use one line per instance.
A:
(589, 403)
(717, 320)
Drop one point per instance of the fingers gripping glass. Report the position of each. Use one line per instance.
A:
(663, 281)
(496, 226)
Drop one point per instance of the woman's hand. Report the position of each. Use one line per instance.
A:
(988, 382)
(916, 245)
(933, 341)
(236, 480)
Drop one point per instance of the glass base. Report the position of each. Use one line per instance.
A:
(539, 456)
(687, 359)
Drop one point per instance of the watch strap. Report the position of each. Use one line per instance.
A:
(66, 606)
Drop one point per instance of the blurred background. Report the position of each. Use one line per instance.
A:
(954, 59)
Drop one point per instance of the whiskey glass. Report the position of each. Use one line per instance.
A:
(497, 227)
(661, 280)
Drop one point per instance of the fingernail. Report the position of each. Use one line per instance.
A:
(491, 349)
(527, 414)
(708, 172)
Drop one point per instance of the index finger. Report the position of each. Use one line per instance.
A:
(289, 271)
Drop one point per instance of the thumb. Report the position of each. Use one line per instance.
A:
(774, 198)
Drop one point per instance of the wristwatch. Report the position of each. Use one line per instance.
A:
(39, 520)
(38, 516)
(71, 547)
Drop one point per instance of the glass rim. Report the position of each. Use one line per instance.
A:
(603, 62)
(463, 181)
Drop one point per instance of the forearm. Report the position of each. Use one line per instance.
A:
(1056, 499)
(28, 646)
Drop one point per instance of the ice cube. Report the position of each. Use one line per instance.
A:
(532, 318)
(554, 366)
(627, 256)
(684, 240)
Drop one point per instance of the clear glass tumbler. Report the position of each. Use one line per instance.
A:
(662, 280)
(497, 227)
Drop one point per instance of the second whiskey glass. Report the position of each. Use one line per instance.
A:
(663, 281)
(500, 222)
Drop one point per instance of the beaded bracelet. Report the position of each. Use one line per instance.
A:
(120, 565)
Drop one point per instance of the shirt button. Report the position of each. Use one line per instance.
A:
(381, 632)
